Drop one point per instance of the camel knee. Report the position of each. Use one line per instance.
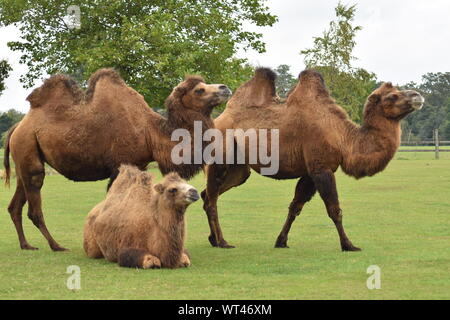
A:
(15, 216)
(211, 211)
(335, 214)
(12, 209)
(295, 208)
(37, 180)
(35, 218)
(209, 206)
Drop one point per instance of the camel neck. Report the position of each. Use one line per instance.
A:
(186, 119)
(167, 215)
(163, 146)
(369, 148)
(171, 224)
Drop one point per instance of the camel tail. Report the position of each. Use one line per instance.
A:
(6, 163)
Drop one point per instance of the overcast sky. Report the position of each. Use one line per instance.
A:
(401, 40)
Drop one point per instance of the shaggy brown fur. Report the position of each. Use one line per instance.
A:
(85, 136)
(316, 137)
(141, 225)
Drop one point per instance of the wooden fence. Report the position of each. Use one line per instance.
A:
(435, 142)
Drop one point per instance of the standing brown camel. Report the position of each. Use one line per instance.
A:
(315, 138)
(85, 136)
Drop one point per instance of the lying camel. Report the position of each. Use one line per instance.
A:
(316, 136)
(85, 136)
(141, 225)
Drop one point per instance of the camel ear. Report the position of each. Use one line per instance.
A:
(388, 85)
(159, 188)
(174, 100)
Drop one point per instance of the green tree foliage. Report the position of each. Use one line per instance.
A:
(285, 80)
(435, 87)
(331, 55)
(7, 120)
(152, 43)
(5, 68)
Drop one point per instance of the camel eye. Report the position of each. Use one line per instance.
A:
(392, 97)
(199, 91)
(173, 190)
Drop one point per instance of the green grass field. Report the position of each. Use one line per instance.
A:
(400, 218)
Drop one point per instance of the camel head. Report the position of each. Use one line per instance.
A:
(194, 94)
(175, 192)
(391, 103)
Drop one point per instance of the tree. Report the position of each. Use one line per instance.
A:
(7, 120)
(152, 43)
(5, 68)
(285, 80)
(332, 55)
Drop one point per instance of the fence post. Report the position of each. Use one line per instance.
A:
(436, 143)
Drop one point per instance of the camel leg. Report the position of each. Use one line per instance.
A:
(33, 179)
(15, 211)
(90, 245)
(325, 183)
(138, 258)
(220, 178)
(304, 191)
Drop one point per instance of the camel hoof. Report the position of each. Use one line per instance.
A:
(28, 247)
(151, 262)
(221, 244)
(212, 240)
(281, 242)
(225, 245)
(351, 248)
(185, 261)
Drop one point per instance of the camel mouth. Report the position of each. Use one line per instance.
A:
(225, 94)
(417, 102)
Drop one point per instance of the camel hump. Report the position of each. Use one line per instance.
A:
(267, 74)
(105, 73)
(311, 73)
(258, 91)
(266, 77)
(61, 86)
(310, 84)
(128, 176)
(312, 79)
(56, 86)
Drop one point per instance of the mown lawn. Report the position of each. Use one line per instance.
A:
(400, 218)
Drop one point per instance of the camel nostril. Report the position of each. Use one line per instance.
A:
(193, 195)
(225, 91)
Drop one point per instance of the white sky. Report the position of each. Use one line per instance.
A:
(401, 40)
